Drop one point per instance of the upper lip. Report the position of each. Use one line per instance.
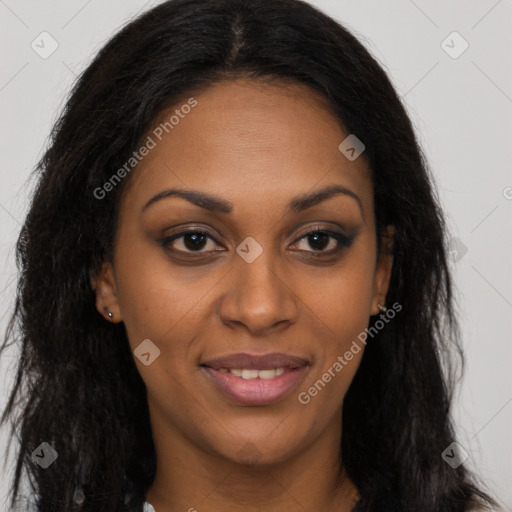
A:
(256, 362)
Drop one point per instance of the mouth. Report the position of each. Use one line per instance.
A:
(254, 379)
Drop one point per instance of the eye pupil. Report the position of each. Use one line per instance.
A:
(318, 238)
(194, 240)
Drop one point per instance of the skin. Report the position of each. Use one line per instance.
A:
(256, 145)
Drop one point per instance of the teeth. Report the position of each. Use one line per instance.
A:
(249, 374)
(266, 374)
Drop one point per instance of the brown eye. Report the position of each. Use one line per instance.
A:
(189, 241)
(194, 241)
(323, 241)
(319, 240)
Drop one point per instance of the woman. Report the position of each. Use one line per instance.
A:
(234, 288)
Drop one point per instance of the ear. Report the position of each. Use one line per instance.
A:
(383, 270)
(104, 285)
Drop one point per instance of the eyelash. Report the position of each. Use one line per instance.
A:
(343, 241)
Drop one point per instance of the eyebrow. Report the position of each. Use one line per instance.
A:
(216, 204)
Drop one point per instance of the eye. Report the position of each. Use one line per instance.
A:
(196, 240)
(323, 241)
(191, 240)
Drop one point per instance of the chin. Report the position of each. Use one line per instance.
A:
(260, 452)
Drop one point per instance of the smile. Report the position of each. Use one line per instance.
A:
(255, 374)
(256, 380)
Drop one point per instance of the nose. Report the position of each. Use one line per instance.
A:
(258, 298)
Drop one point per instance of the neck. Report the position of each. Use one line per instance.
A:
(190, 478)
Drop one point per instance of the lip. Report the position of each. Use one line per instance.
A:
(256, 391)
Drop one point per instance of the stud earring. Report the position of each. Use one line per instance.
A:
(108, 313)
(382, 308)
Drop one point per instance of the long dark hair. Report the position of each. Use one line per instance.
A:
(77, 387)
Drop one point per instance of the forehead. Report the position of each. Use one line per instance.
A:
(250, 142)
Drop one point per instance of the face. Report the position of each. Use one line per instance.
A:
(255, 278)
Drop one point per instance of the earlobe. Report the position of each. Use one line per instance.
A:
(104, 285)
(383, 271)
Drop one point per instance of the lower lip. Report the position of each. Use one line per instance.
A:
(256, 391)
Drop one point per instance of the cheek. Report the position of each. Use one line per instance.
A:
(344, 313)
(155, 299)
(340, 306)
(167, 304)
(342, 296)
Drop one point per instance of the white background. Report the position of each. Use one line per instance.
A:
(461, 108)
